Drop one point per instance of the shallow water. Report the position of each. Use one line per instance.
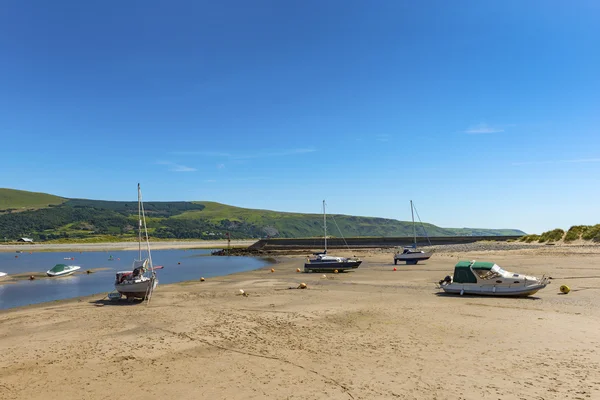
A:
(179, 265)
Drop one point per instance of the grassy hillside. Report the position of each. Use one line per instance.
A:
(11, 199)
(56, 218)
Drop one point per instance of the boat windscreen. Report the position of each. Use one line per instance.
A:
(59, 268)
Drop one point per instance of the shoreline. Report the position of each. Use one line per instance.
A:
(107, 246)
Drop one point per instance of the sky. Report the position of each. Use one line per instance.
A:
(485, 113)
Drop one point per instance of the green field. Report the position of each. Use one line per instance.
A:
(11, 199)
(51, 218)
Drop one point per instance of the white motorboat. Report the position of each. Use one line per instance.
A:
(487, 278)
(3, 275)
(141, 281)
(322, 262)
(62, 270)
(410, 254)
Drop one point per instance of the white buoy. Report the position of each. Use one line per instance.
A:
(242, 291)
(324, 276)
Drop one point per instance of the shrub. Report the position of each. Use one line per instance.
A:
(575, 232)
(552, 236)
(592, 233)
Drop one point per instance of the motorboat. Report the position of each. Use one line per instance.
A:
(411, 255)
(62, 270)
(141, 281)
(320, 262)
(3, 275)
(487, 278)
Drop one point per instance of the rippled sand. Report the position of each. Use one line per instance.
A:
(370, 334)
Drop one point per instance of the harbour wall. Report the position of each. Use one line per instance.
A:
(369, 242)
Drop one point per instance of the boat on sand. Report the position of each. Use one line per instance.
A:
(321, 262)
(488, 279)
(141, 281)
(410, 254)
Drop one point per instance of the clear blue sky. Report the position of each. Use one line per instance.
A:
(485, 113)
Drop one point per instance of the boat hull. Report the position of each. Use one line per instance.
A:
(522, 291)
(412, 258)
(137, 289)
(331, 266)
(62, 273)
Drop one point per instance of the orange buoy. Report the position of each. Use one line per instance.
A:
(297, 269)
(272, 269)
(335, 271)
(395, 269)
(202, 279)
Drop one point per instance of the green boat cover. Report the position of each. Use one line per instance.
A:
(59, 268)
(463, 274)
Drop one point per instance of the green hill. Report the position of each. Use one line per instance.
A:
(16, 200)
(50, 217)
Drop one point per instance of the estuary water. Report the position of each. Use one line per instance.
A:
(179, 265)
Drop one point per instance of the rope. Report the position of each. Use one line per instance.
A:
(341, 234)
(422, 226)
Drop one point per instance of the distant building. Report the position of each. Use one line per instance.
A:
(26, 240)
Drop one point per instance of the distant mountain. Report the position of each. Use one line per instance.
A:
(47, 217)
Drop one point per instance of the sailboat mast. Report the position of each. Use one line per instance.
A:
(325, 225)
(139, 222)
(413, 221)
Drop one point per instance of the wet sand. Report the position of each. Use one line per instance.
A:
(373, 333)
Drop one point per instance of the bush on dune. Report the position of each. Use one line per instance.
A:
(575, 232)
(592, 233)
(552, 236)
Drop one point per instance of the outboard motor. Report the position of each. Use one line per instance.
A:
(446, 280)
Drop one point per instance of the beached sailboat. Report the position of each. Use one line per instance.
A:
(323, 262)
(487, 278)
(62, 270)
(142, 280)
(410, 254)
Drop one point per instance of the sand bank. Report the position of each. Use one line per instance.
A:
(369, 334)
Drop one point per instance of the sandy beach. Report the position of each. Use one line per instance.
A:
(373, 333)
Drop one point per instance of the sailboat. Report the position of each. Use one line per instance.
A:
(410, 254)
(324, 262)
(141, 281)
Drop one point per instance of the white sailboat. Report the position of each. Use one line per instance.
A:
(410, 254)
(142, 280)
(324, 262)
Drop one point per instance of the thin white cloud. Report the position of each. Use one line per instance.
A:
(483, 128)
(252, 154)
(177, 167)
(573, 161)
